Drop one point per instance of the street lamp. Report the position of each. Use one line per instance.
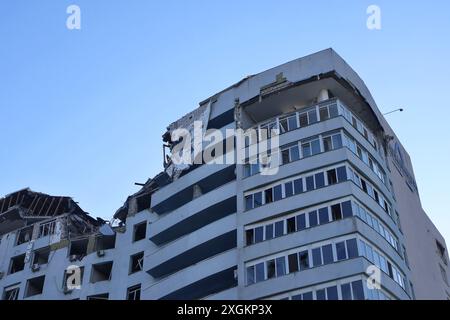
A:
(399, 109)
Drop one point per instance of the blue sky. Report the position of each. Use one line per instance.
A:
(82, 111)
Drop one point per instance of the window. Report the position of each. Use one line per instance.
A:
(340, 251)
(293, 262)
(303, 258)
(301, 222)
(11, 292)
(34, 286)
(279, 228)
(136, 262)
(257, 200)
(270, 265)
(352, 248)
(41, 256)
(101, 272)
(332, 293)
(346, 291)
(17, 264)
(327, 254)
(47, 228)
(347, 209)
(103, 296)
(104, 242)
(324, 115)
(259, 269)
(323, 215)
(250, 275)
(277, 194)
(320, 180)
(358, 291)
(341, 174)
(331, 176)
(269, 231)
(249, 202)
(24, 235)
(291, 225)
(134, 292)
(79, 247)
(259, 234)
(303, 119)
(268, 195)
(336, 213)
(312, 219)
(249, 236)
(327, 144)
(288, 189)
(281, 266)
(139, 231)
(298, 186)
(309, 183)
(321, 295)
(317, 257)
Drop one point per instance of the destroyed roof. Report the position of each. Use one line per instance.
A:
(142, 199)
(19, 208)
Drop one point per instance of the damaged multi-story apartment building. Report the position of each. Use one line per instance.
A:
(340, 218)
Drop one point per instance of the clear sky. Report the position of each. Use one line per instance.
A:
(82, 111)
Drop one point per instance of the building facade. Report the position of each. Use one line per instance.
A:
(341, 210)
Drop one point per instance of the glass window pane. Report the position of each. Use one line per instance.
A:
(293, 262)
(248, 202)
(291, 225)
(259, 268)
(307, 296)
(313, 218)
(347, 209)
(327, 144)
(270, 265)
(306, 150)
(320, 294)
(333, 110)
(358, 291)
(337, 141)
(324, 113)
(277, 195)
(285, 156)
(346, 291)
(312, 116)
(250, 275)
(281, 266)
(259, 234)
(320, 180)
(247, 171)
(295, 153)
(332, 293)
(315, 147)
(283, 125)
(279, 228)
(303, 258)
(303, 119)
(352, 248)
(301, 222)
(297, 297)
(317, 257)
(288, 189)
(342, 174)
(269, 231)
(309, 183)
(292, 123)
(327, 254)
(257, 199)
(340, 251)
(323, 215)
(298, 186)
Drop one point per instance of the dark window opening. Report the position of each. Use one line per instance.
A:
(249, 236)
(140, 231)
(105, 242)
(270, 269)
(41, 256)
(303, 258)
(136, 262)
(11, 293)
(34, 286)
(134, 292)
(332, 293)
(259, 270)
(320, 295)
(17, 264)
(332, 178)
(336, 213)
(293, 262)
(268, 195)
(259, 234)
(24, 235)
(79, 247)
(103, 296)
(101, 272)
(291, 225)
(257, 199)
(288, 189)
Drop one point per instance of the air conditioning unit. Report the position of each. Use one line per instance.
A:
(101, 253)
(35, 267)
(73, 257)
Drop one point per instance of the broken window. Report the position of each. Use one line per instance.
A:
(134, 292)
(101, 272)
(41, 256)
(105, 242)
(24, 235)
(11, 292)
(47, 228)
(140, 231)
(136, 262)
(17, 264)
(78, 248)
(103, 296)
(34, 286)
